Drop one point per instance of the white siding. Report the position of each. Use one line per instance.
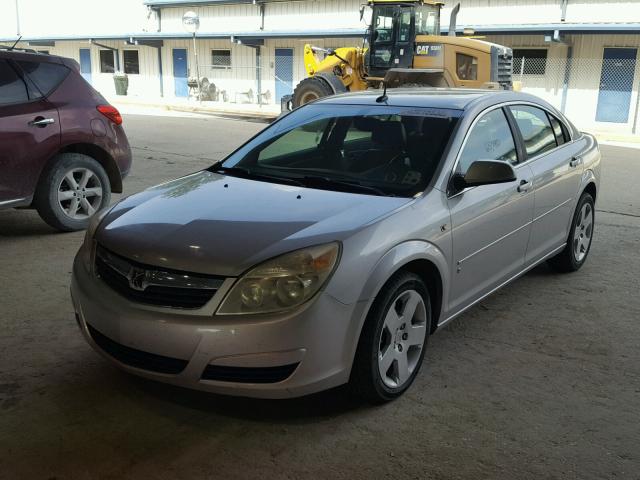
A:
(240, 78)
(584, 75)
(297, 16)
(517, 12)
(144, 84)
(42, 18)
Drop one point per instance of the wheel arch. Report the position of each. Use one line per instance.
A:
(333, 81)
(591, 189)
(420, 257)
(99, 155)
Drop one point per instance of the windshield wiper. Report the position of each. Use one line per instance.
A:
(310, 181)
(344, 185)
(246, 173)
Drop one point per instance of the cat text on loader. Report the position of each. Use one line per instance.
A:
(403, 46)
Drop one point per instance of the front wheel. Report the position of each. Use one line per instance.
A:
(71, 190)
(393, 340)
(580, 237)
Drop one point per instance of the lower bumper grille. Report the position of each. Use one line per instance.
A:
(248, 375)
(137, 358)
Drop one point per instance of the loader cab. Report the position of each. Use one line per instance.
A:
(393, 31)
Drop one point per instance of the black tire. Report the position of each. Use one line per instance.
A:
(310, 89)
(366, 380)
(46, 197)
(567, 261)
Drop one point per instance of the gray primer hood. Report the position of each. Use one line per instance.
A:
(222, 225)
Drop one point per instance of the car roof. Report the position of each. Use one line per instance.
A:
(429, 97)
(28, 54)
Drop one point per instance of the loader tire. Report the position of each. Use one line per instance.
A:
(310, 89)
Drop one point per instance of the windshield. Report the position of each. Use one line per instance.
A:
(371, 150)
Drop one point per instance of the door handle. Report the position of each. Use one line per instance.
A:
(41, 122)
(575, 161)
(524, 186)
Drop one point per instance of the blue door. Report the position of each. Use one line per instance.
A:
(284, 72)
(180, 72)
(85, 63)
(616, 84)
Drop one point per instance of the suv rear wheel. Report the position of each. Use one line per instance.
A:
(71, 190)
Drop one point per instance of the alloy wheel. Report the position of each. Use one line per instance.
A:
(583, 232)
(402, 338)
(80, 193)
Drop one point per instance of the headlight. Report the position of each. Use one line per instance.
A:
(283, 283)
(94, 223)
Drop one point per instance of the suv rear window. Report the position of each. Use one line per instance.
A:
(46, 76)
(12, 87)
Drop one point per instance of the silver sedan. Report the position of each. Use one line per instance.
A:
(328, 248)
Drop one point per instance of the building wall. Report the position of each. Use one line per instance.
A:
(144, 84)
(42, 18)
(583, 73)
(279, 16)
(517, 12)
(576, 88)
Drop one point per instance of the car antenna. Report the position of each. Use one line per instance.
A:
(383, 97)
(16, 43)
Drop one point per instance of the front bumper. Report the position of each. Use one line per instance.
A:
(316, 342)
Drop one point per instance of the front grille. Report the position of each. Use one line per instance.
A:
(248, 374)
(502, 66)
(137, 358)
(152, 285)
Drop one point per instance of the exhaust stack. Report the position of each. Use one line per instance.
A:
(453, 20)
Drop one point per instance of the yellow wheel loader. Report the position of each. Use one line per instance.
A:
(403, 46)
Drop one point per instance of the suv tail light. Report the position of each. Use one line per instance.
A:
(111, 113)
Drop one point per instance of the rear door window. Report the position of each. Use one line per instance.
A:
(535, 128)
(558, 130)
(46, 76)
(12, 88)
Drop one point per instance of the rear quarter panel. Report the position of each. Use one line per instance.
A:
(81, 122)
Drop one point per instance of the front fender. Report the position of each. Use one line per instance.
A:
(390, 263)
(399, 256)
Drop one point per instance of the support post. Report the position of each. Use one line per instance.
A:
(195, 53)
(17, 19)
(567, 77)
(160, 71)
(634, 129)
(259, 73)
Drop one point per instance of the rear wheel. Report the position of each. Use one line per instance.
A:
(580, 236)
(393, 340)
(71, 190)
(310, 89)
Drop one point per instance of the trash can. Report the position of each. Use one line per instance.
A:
(121, 82)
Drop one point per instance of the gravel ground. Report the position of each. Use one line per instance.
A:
(541, 380)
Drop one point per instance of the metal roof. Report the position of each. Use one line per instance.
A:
(540, 28)
(251, 35)
(519, 29)
(182, 3)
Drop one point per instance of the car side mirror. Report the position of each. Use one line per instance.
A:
(484, 172)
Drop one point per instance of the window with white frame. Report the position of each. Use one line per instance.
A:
(131, 61)
(107, 61)
(221, 59)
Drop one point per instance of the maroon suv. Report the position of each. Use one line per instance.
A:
(62, 146)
